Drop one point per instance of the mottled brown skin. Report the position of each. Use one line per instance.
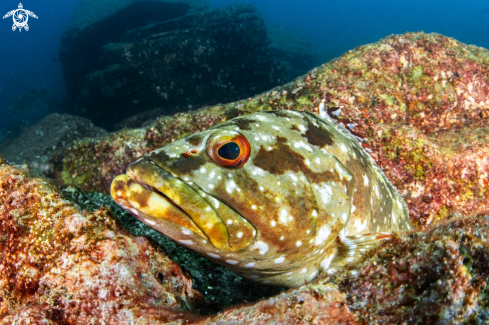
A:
(307, 189)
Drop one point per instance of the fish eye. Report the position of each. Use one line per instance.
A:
(228, 149)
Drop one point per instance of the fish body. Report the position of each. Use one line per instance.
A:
(279, 197)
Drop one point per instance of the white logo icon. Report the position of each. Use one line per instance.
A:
(20, 17)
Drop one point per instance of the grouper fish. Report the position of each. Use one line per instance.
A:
(279, 197)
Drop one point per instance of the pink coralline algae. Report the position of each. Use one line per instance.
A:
(59, 265)
(437, 276)
(420, 100)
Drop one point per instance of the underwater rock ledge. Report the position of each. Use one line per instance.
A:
(420, 100)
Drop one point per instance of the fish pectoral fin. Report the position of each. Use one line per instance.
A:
(353, 248)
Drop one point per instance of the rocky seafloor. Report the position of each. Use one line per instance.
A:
(422, 103)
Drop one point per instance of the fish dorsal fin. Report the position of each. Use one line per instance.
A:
(353, 248)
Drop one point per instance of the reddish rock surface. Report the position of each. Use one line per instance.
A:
(71, 267)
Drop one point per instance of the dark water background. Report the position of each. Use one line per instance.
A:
(28, 60)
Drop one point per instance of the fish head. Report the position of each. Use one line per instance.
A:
(252, 194)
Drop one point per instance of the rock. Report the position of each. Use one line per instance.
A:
(36, 145)
(420, 100)
(201, 58)
(96, 23)
(62, 265)
(312, 304)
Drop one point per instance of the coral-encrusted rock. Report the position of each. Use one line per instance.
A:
(69, 266)
(438, 276)
(312, 304)
(421, 100)
(203, 58)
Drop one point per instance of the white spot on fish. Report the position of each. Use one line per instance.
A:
(282, 217)
(365, 180)
(250, 265)
(294, 178)
(239, 234)
(232, 262)
(253, 207)
(186, 242)
(353, 208)
(229, 222)
(298, 243)
(202, 169)
(308, 162)
(314, 213)
(185, 231)
(276, 127)
(258, 171)
(212, 174)
(344, 217)
(343, 148)
(327, 262)
(303, 271)
(302, 144)
(282, 238)
(210, 186)
(230, 186)
(360, 224)
(323, 234)
(261, 188)
(302, 128)
(312, 276)
(325, 192)
(213, 255)
(149, 222)
(119, 193)
(261, 246)
(273, 223)
(279, 260)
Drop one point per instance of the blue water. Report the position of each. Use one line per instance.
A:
(28, 59)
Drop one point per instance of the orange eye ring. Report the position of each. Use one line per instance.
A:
(228, 149)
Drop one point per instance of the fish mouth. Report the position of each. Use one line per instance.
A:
(177, 210)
